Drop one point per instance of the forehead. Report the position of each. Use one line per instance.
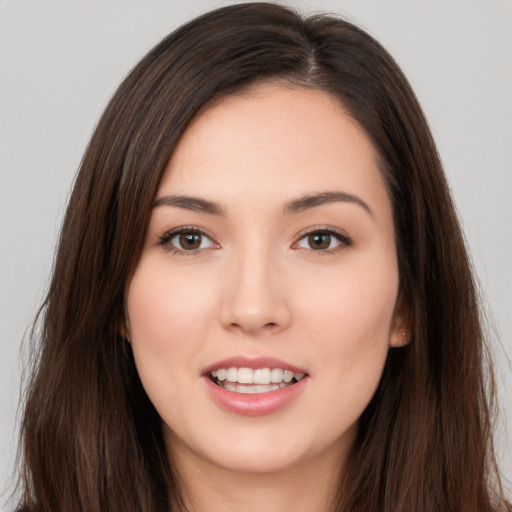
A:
(272, 142)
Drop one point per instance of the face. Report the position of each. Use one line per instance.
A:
(270, 260)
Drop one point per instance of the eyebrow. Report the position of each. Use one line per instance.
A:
(313, 200)
(195, 204)
(298, 205)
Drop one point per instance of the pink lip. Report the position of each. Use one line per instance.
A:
(253, 363)
(257, 404)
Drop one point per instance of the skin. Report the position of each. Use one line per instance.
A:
(255, 287)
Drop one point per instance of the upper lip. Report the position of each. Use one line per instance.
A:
(252, 362)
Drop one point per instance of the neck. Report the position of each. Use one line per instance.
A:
(309, 485)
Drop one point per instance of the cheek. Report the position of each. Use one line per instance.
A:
(351, 326)
(349, 317)
(352, 301)
(168, 312)
(168, 315)
(165, 308)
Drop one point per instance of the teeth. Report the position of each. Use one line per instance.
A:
(265, 388)
(250, 390)
(245, 375)
(263, 379)
(261, 376)
(229, 386)
(287, 376)
(276, 375)
(232, 375)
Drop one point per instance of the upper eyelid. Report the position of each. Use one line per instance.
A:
(170, 233)
(164, 240)
(340, 234)
(345, 241)
(323, 229)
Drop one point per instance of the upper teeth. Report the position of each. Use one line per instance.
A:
(259, 376)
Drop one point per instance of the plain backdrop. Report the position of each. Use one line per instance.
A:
(60, 61)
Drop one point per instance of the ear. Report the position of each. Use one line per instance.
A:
(124, 329)
(401, 328)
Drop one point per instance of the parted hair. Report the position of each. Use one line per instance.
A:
(91, 439)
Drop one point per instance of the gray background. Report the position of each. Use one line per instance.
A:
(60, 61)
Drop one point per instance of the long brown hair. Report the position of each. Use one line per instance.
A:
(91, 438)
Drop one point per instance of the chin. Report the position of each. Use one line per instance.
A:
(248, 460)
(261, 449)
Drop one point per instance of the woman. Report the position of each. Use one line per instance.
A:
(261, 296)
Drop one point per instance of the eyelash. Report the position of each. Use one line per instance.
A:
(165, 239)
(345, 241)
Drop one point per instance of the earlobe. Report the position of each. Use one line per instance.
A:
(124, 330)
(401, 332)
(400, 337)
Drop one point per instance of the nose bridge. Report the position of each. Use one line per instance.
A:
(255, 299)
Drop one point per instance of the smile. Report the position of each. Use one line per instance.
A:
(254, 386)
(253, 381)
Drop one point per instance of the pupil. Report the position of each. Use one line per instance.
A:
(190, 240)
(319, 241)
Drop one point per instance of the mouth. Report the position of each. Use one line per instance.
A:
(254, 381)
(254, 386)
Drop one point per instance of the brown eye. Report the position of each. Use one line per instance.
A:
(319, 241)
(186, 241)
(190, 241)
(323, 241)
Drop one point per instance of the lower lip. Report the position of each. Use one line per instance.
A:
(257, 404)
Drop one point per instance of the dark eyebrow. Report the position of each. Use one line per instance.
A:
(295, 206)
(189, 203)
(313, 200)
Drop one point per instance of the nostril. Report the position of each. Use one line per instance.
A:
(268, 326)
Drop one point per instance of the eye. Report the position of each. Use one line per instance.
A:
(186, 240)
(323, 241)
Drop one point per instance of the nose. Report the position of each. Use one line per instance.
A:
(255, 300)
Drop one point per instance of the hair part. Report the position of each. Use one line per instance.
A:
(425, 440)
